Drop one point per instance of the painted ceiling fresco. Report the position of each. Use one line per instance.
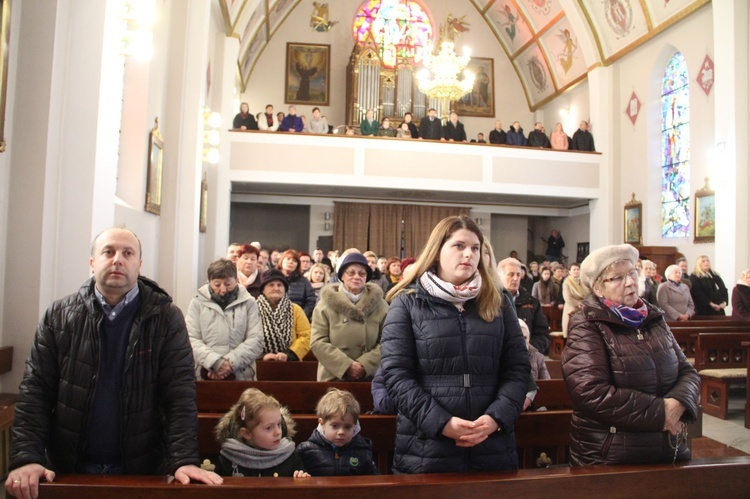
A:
(537, 35)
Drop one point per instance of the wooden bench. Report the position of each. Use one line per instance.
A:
(728, 477)
(554, 366)
(298, 396)
(746, 346)
(7, 409)
(720, 360)
(305, 370)
(556, 345)
(553, 315)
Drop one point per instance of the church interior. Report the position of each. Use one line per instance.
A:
(113, 116)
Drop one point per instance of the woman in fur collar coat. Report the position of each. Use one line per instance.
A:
(347, 323)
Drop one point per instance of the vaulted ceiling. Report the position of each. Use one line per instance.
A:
(552, 44)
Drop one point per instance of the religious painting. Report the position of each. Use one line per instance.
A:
(705, 215)
(562, 48)
(617, 23)
(253, 53)
(154, 171)
(203, 217)
(508, 24)
(308, 68)
(634, 222)
(540, 12)
(4, 42)
(535, 75)
(481, 100)
(662, 12)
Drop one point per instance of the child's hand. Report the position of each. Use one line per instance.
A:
(301, 474)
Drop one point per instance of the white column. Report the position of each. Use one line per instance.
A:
(220, 186)
(183, 142)
(730, 171)
(606, 211)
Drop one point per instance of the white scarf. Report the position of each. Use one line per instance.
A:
(254, 458)
(456, 294)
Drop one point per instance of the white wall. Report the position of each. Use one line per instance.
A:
(509, 232)
(266, 82)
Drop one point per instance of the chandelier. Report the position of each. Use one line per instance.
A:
(439, 78)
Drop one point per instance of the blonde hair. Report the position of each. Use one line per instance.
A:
(337, 402)
(244, 414)
(700, 272)
(326, 274)
(489, 300)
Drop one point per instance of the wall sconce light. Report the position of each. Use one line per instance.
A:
(138, 18)
(327, 226)
(328, 215)
(211, 136)
(479, 222)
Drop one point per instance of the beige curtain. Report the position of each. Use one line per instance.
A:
(350, 226)
(385, 229)
(419, 222)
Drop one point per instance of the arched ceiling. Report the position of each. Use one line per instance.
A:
(552, 44)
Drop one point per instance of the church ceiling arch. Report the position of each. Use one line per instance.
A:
(538, 36)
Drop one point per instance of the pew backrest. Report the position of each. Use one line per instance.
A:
(720, 351)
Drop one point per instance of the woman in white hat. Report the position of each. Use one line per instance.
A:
(631, 386)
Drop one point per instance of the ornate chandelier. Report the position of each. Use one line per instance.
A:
(439, 78)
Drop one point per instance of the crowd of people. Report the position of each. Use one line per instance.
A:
(452, 342)
(430, 128)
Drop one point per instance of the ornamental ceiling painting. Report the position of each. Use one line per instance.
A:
(539, 37)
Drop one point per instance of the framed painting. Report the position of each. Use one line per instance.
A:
(705, 215)
(481, 100)
(4, 51)
(634, 222)
(308, 74)
(153, 175)
(203, 217)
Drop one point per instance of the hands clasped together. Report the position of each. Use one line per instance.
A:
(470, 433)
(673, 411)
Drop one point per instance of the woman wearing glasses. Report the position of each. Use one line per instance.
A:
(347, 323)
(631, 386)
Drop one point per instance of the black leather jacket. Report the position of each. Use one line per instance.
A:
(158, 422)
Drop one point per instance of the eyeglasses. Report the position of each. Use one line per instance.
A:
(352, 273)
(619, 279)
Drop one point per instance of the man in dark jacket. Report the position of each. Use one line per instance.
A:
(454, 131)
(498, 135)
(537, 138)
(109, 387)
(582, 140)
(528, 308)
(430, 128)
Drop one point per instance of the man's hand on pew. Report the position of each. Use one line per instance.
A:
(24, 481)
(189, 472)
(673, 410)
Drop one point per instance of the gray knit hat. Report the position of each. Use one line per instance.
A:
(600, 259)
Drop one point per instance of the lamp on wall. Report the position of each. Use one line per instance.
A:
(138, 18)
(211, 136)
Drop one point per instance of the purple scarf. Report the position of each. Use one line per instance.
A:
(633, 317)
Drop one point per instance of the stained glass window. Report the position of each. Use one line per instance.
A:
(675, 147)
(400, 28)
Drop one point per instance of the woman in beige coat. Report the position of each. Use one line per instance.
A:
(347, 323)
(573, 294)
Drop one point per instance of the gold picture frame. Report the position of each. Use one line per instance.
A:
(634, 221)
(705, 215)
(203, 217)
(481, 100)
(5, 6)
(154, 172)
(308, 74)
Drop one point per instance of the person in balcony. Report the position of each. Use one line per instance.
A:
(430, 128)
(515, 136)
(454, 131)
(411, 125)
(292, 122)
(269, 121)
(244, 120)
(369, 126)
(537, 137)
(317, 124)
(582, 139)
(386, 130)
(558, 139)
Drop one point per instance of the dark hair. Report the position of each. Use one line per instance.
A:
(315, 109)
(302, 253)
(388, 264)
(221, 269)
(406, 114)
(290, 253)
(248, 248)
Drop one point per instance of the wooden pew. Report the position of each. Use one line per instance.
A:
(720, 360)
(746, 346)
(7, 409)
(554, 367)
(536, 432)
(728, 477)
(728, 322)
(298, 396)
(554, 317)
(557, 345)
(306, 370)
